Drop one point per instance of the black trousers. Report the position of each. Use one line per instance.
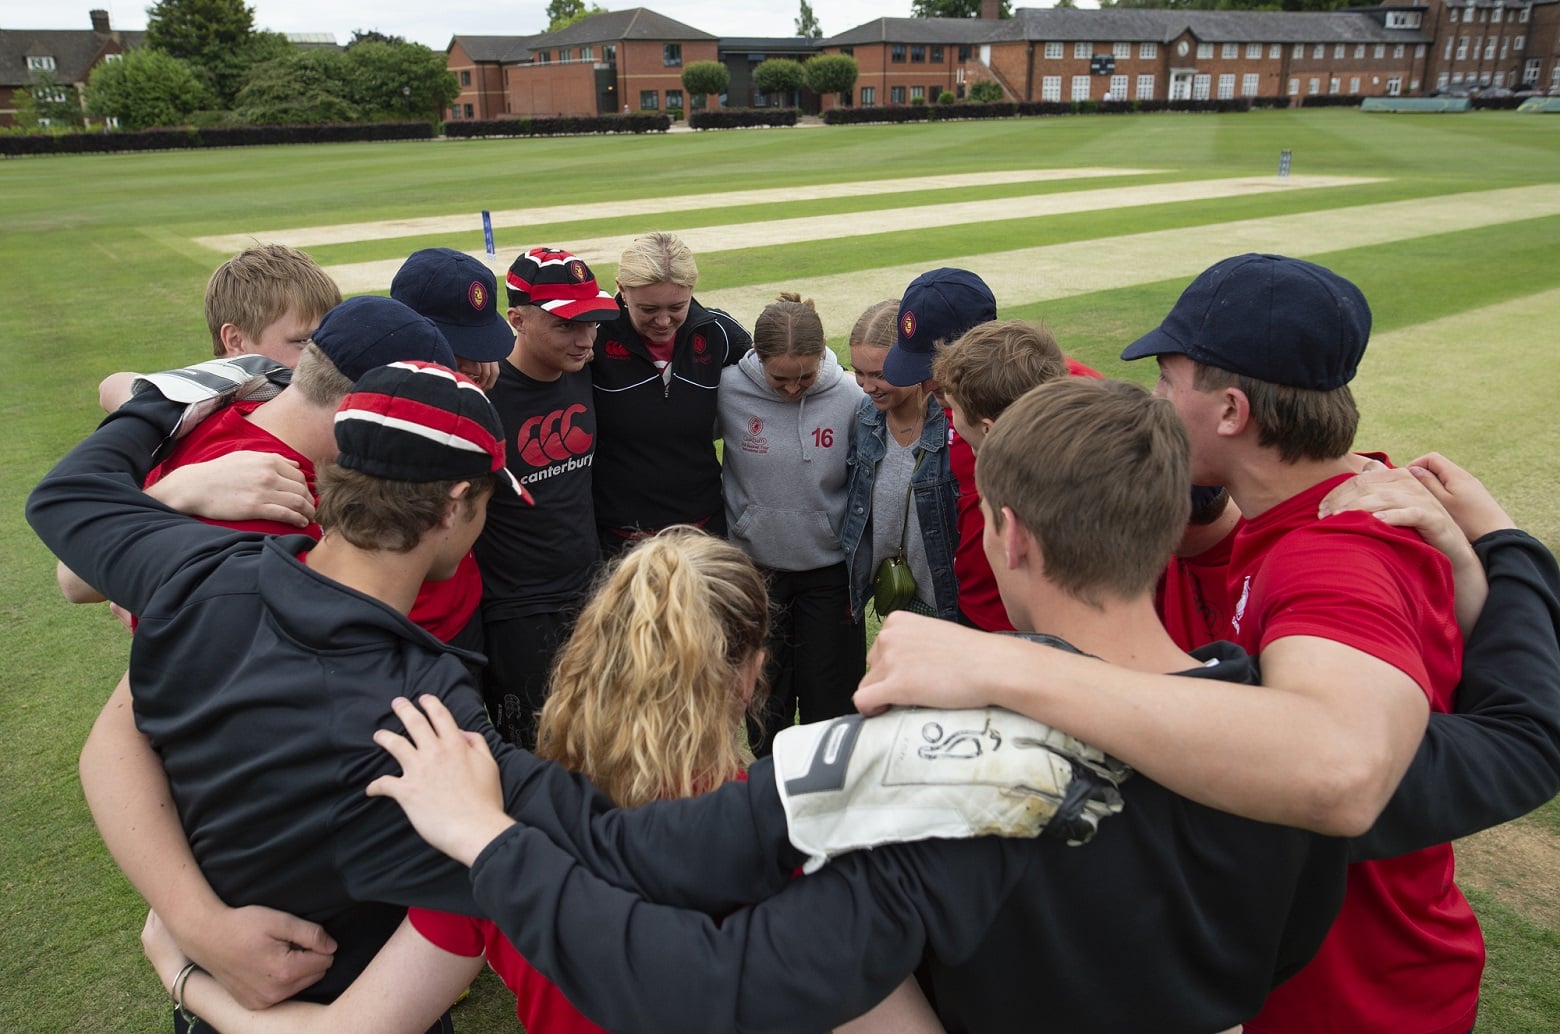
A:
(520, 653)
(817, 654)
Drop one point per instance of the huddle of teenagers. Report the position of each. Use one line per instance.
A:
(545, 551)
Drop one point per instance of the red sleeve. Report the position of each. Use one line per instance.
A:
(1077, 369)
(456, 934)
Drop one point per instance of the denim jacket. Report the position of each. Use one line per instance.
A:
(934, 490)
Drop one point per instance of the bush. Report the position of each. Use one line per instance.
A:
(986, 92)
(946, 97)
(1331, 100)
(641, 122)
(214, 136)
(741, 118)
(892, 113)
(1277, 101)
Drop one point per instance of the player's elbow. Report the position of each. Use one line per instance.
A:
(73, 588)
(1349, 794)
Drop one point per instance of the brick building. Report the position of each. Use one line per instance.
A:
(480, 65)
(68, 56)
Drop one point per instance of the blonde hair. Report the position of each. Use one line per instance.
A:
(657, 258)
(257, 287)
(788, 326)
(878, 327)
(987, 368)
(317, 379)
(645, 698)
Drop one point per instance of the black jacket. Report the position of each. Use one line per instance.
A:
(261, 683)
(655, 448)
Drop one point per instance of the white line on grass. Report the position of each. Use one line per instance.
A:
(468, 222)
(357, 277)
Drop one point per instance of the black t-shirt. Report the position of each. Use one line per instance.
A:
(536, 559)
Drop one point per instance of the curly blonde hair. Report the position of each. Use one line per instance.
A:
(647, 697)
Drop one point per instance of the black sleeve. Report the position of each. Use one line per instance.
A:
(91, 513)
(822, 951)
(1498, 756)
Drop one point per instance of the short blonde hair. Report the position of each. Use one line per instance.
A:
(878, 327)
(317, 379)
(657, 258)
(257, 287)
(788, 326)
(992, 364)
(645, 697)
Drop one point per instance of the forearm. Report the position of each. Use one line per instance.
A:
(1498, 756)
(73, 588)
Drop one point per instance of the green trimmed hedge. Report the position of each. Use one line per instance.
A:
(1035, 109)
(564, 125)
(741, 118)
(187, 137)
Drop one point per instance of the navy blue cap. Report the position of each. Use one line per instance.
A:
(460, 295)
(938, 306)
(369, 331)
(1275, 319)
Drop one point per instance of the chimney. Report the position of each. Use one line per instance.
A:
(100, 22)
(990, 10)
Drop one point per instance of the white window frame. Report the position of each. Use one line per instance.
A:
(40, 63)
(869, 96)
(1200, 84)
(1380, 51)
(1083, 49)
(1148, 50)
(1053, 51)
(1394, 86)
(1315, 85)
(1121, 51)
(1078, 89)
(1294, 87)
(1051, 88)
(1253, 52)
(1250, 83)
(1354, 84)
(1230, 51)
(1276, 51)
(1205, 51)
(1298, 52)
(1319, 51)
(1359, 51)
(1227, 86)
(1145, 87)
(1118, 87)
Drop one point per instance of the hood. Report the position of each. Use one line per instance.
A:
(829, 373)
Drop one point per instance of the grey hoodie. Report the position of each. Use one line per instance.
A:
(784, 467)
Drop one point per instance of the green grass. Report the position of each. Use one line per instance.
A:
(100, 274)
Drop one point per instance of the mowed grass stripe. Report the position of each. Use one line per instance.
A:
(302, 237)
(1027, 275)
(359, 277)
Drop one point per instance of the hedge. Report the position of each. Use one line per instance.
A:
(185, 137)
(562, 125)
(1034, 109)
(741, 118)
(1332, 100)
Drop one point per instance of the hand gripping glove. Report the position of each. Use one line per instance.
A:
(918, 773)
(206, 387)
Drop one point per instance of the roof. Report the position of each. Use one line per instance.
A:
(916, 30)
(1130, 25)
(636, 23)
(501, 49)
(75, 52)
(777, 44)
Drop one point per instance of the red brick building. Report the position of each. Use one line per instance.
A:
(68, 56)
(480, 65)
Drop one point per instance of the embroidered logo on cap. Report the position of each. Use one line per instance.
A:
(907, 325)
(578, 271)
(477, 295)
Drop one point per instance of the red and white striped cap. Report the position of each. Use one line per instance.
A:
(557, 282)
(421, 422)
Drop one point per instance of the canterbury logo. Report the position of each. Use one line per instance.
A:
(616, 350)
(552, 438)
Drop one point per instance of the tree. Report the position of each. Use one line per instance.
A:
(706, 77)
(779, 75)
(563, 13)
(986, 92)
(956, 9)
(216, 37)
(304, 88)
(831, 73)
(147, 87)
(372, 36)
(807, 23)
(47, 103)
(398, 81)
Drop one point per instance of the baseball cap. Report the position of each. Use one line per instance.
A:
(557, 282)
(368, 331)
(421, 422)
(1276, 319)
(459, 294)
(937, 306)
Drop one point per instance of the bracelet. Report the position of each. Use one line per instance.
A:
(190, 1019)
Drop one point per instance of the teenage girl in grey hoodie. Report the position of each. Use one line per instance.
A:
(785, 412)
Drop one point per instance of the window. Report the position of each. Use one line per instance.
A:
(1462, 47)
(1145, 87)
(1226, 87)
(1299, 51)
(1523, 15)
(112, 122)
(1339, 51)
(649, 100)
(1394, 86)
(1205, 50)
(1051, 87)
(1489, 48)
(1495, 16)
(918, 54)
(1118, 87)
(1200, 87)
(465, 78)
(113, 57)
(543, 56)
(1334, 85)
(1148, 50)
(1230, 51)
(1354, 84)
(1276, 51)
(896, 53)
(1080, 88)
(587, 53)
(964, 53)
(1397, 51)
(674, 100)
(1083, 50)
(1053, 51)
(671, 54)
(1121, 51)
(1254, 52)
(896, 94)
(1315, 85)
(1380, 51)
(1318, 52)
(468, 110)
(868, 96)
(848, 51)
(1359, 51)
(1443, 81)
(918, 93)
(1419, 51)
(937, 54)
(1530, 70)
(1520, 42)
(1248, 85)
(609, 51)
(1500, 78)
(1505, 48)
(44, 63)
(45, 123)
(564, 54)
(1404, 19)
(1294, 87)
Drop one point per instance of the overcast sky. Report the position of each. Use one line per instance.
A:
(434, 24)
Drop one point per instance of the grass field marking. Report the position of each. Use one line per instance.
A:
(1024, 276)
(356, 277)
(302, 237)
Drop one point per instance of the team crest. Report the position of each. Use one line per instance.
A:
(755, 426)
(698, 343)
(907, 325)
(477, 295)
(577, 271)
